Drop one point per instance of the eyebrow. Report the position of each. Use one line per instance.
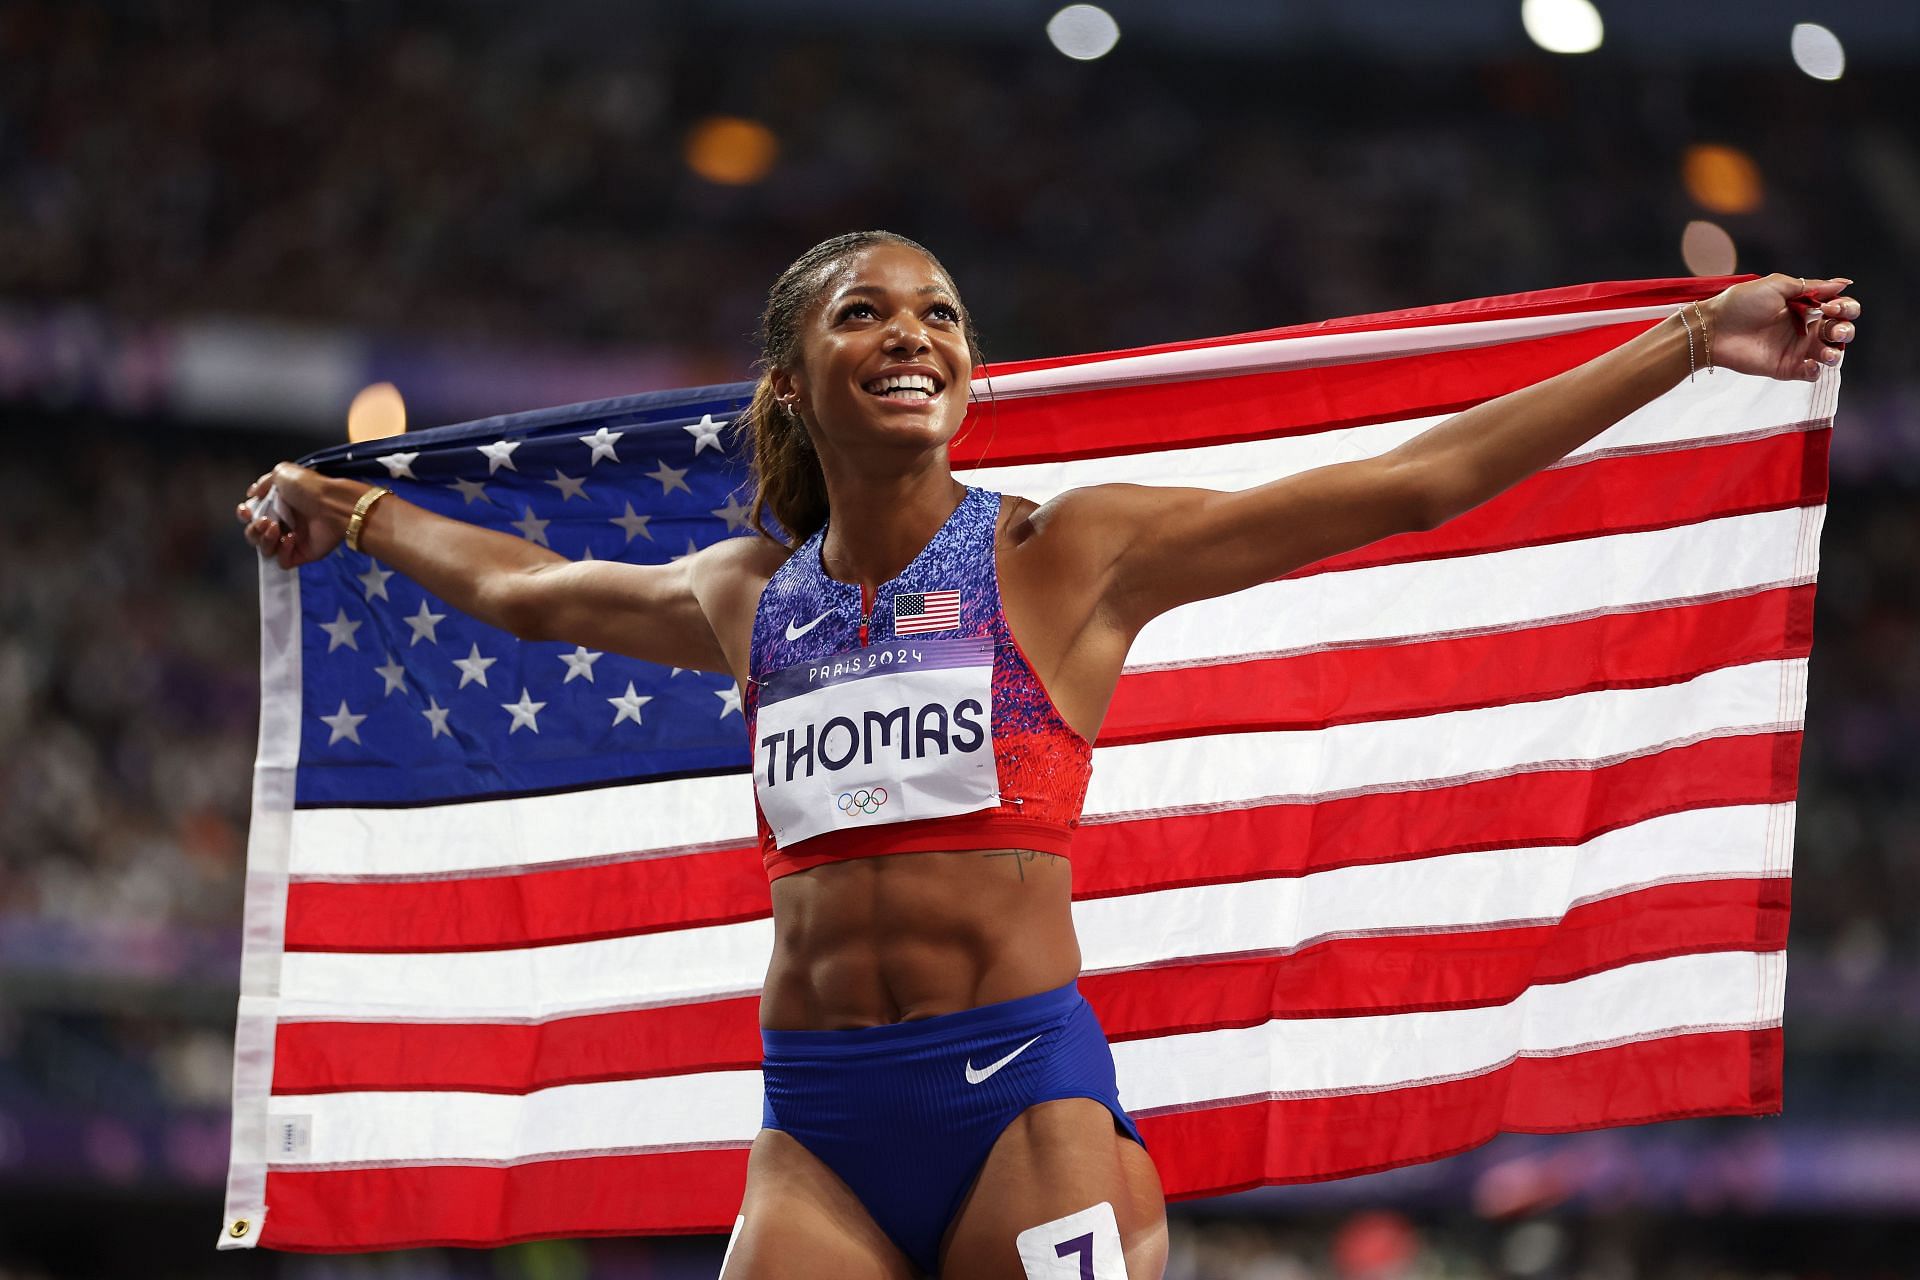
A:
(923, 290)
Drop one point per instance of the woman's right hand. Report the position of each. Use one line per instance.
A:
(313, 507)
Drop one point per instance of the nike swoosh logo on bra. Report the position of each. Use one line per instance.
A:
(794, 633)
(977, 1077)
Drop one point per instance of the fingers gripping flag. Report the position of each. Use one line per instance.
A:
(1476, 829)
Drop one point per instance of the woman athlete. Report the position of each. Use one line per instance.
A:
(938, 1097)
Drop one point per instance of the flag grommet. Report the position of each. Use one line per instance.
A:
(239, 1228)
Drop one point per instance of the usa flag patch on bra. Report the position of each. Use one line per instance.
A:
(918, 612)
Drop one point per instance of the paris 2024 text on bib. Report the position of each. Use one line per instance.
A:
(888, 733)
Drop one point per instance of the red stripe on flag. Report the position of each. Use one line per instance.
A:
(1219, 1149)
(1333, 978)
(1459, 969)
(1067, 425)
(572, 904)
(349, 1210)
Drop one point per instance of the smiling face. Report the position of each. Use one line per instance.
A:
(884, 360)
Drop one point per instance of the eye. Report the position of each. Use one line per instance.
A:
(847, 312)
(952, 312)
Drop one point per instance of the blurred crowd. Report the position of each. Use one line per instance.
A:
(518, 173)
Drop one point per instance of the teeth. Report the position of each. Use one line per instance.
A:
(904, 381)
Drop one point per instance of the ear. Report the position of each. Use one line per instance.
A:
(788, 387)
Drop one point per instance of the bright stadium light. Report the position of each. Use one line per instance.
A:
(1083, 31)
(1817, 51)
(1562, 26)
(1707, 249)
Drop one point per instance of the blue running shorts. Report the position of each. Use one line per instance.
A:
(906, 1113)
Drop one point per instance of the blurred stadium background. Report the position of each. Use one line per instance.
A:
(220, 220)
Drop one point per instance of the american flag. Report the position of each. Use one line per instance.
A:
(1486, 828)
(918, 612)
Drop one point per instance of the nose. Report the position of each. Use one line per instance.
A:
(906, 335)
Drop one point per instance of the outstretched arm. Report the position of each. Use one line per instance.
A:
(1167, 547)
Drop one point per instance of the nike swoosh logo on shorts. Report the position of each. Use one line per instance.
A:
(794, 633)
(978, 1077)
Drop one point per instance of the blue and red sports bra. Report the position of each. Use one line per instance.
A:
(908, 722)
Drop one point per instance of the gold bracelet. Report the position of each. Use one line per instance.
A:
(1706, 335)
(359, 516)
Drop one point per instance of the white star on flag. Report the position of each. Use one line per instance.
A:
(499, 454)
(632, 523)
(423, 624)
(669, 477)
(735, 513)
(394, 674)
(523, 712)
(399, 465)
(706, 432)
(569, 486)
(470, 489)
(628, 705)
(437, 717)
(344, 724)
(532, 528)
(601, 442)
(340, 632)
(473, 667)
(374, 581)
(580, 663)
(729, 700)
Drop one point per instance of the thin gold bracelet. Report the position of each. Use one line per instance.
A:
(359, 516)
(1706, 334)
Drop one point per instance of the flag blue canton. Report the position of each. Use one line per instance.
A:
(406, 700)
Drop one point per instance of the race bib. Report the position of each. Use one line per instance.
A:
(888, 733)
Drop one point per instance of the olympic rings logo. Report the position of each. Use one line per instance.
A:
(865, 800)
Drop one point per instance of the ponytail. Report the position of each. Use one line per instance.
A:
(787, 479)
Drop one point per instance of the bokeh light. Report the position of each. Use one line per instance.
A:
(1083, 31)
(1707, 249)
(1562, 26)
(1817, 51)
(376, 413)
(1720, 178)
(1378, 1244)
(731, 151)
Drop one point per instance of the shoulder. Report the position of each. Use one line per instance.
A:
(1094, 520)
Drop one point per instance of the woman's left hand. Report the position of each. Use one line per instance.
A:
(1782, 326)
